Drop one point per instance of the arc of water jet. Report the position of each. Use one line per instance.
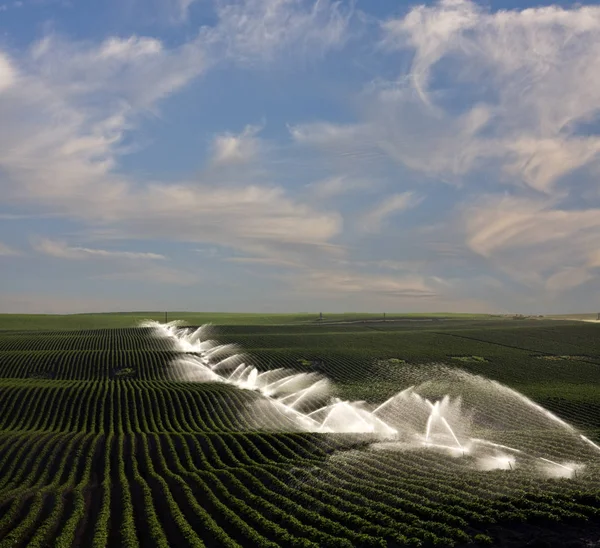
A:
(293, 411)
(491, 443)
(190, 340)
(587, 440)
(390, 399)
(346, 405)
(260, 375)
(281, 382)
(531, 403)
(390, 429)
(451, 431)
(276, 384)
(245, 375)
(241, 366)
(382, 405)
(305, 392)
(294, 395)
(225, 361)
(440, 446)
(209, 352)
(430, 419)
(317, 410)
(557, 464)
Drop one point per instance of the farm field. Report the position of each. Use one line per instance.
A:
(104, 443)
(33, 322)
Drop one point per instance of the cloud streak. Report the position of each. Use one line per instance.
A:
(487, 119)
(232, 149)
(65, 123)
(534, 241)
(61, 250)
(373, 220)
(257, 31)
(517, 85)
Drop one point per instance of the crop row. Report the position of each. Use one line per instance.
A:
(88, 365)
(103, 444)
(159, 489)
(101, 339)
(160, 406)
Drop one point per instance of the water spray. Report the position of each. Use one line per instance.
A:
(406, 419)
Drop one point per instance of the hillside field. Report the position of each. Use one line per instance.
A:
(102, 444)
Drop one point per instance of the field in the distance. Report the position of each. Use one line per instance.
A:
(102, 445)
(34, 322)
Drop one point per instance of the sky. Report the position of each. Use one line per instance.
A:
(299, 156)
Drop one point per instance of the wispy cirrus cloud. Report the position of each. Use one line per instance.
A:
(485, 100)
(61, 250)
(255, 31)
(128, 266)
(516, 87)
(231, 149)
(535, 241)
(8, 73)
(530, 76)
(66, 111)
(343, 282)
(374, 219)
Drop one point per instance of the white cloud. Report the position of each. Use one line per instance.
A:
(373, 220)
(229, 215)
(129, 49)
(63, 127)
(61, 250)
(508, 222)
(486, 94)
(343, 282)
(131, 266)
(537, 71)
(567, 278)
(136, 70)
(62, 134)
(8, 75)
(504, 91)
(540, 162)
(249, 31)
(229, 148)
(491, 98)
(534, 241)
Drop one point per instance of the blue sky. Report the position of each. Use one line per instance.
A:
(293, 155)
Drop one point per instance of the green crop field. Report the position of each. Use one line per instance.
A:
(102, 443)
(37, 322)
